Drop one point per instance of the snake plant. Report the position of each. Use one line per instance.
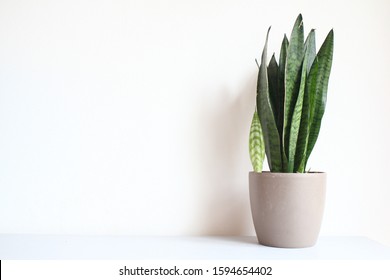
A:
(290, 101)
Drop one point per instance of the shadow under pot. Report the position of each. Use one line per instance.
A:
(287, 208)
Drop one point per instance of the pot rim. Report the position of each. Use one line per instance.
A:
(281, 174)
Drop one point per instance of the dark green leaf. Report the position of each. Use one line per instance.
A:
(299, 123)
(280, 103)
(295, 53)
(310, 49)
(303, 137)
(273, 84)
(266, 115)
(318, 87)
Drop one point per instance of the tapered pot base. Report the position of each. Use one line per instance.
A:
(287, 208)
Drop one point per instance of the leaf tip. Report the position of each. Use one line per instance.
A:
(330, 35)
(285, 39)
(299, 19)
(269, 29)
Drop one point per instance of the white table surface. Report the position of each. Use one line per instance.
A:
(46, 247)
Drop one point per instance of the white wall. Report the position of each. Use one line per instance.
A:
(132, 117)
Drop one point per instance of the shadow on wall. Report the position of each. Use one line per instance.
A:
(225, 122)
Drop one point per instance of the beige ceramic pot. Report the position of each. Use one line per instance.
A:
(287, 208)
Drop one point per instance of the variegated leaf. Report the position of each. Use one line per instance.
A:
(256, 144)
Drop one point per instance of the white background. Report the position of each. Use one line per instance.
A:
(132, 117)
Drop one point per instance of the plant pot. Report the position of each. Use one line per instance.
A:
(287, 208)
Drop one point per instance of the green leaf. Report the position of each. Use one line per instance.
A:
(318, 87)
(297, 114)
(266, 115)
(281, 72)
(280, 116)
(295, 53)
(256, 144)
(273, 85)
(310, 49)
(303, 137)
(296, 120)
(304, 128)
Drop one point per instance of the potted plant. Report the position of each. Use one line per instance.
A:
(287, 203)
